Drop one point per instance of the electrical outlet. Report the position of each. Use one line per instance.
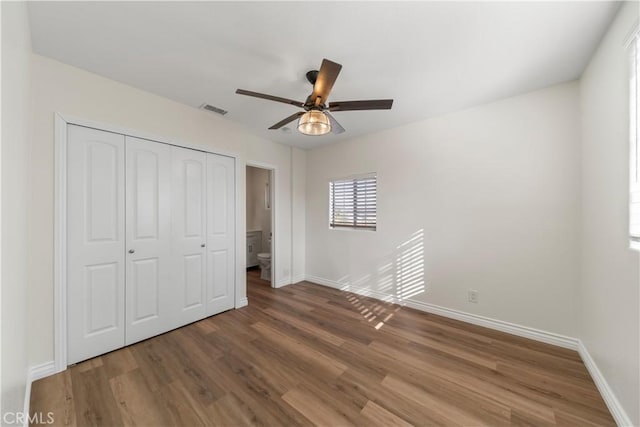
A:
(473, 296)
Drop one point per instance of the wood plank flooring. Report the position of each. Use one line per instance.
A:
(307, 354)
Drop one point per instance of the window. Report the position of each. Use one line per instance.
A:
(634, 133)
(352, 202)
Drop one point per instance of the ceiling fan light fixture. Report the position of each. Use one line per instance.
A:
(314, 123)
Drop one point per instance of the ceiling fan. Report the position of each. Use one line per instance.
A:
(316, 119)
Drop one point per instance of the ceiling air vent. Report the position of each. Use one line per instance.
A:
(208, 107)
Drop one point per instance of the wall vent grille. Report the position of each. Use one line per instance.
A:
(213, 109)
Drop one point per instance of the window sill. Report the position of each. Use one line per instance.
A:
(369, 230)
(634, 245)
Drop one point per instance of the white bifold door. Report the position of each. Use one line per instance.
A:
(189, 233)
(148, 230)
(150, 239)
(95, 242)
(220, 233)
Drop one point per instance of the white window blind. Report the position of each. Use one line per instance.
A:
(353, 202)
(634, 133)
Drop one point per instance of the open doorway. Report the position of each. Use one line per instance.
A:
(260, 224)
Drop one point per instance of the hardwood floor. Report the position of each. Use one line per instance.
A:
(307, 354)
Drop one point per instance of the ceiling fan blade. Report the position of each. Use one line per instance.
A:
(335, 126)
(287, 120)
(269, 97)
(327, 76)
(373, 104)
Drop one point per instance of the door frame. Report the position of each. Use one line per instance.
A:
(273, 179)
(61, 122)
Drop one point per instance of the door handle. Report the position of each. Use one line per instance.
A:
(202, 245)
(131, 251)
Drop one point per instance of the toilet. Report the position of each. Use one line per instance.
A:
(264, 259)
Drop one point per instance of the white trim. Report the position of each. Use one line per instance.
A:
(143, 135)
(291, 214)
(60, 245)
(499, 325)
(634, 185)
(487, 322)
(27, 400)
(43, 370)
(243, 302)
(241, 236)
(283, 282)
(297, 279)
(616, 409)
(60, 215)
(33, 374)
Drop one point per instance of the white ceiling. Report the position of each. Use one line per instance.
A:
(431, 57)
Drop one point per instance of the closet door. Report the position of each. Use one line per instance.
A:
(148, 290)
(188, 246)
(95, 242)
(220, 233)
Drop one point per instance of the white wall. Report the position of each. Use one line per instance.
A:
(68, 90)
(496, 185)
(610, 314)
(486, 198)
(298, 213)
(16, 71)
(258, 216)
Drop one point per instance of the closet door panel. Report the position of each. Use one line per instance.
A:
(95, 242)
(188, 247)
(220, 233)
(145, 296)
(218, 266)
(148, 195)
(194, 279)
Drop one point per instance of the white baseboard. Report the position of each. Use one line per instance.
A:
(27, 399)
(324, 282)
(43, 370)
(499, 325)
(475, 319)
(283, 282)
(290, 280)
(297, 279)
(616, 409)
(33, 374)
